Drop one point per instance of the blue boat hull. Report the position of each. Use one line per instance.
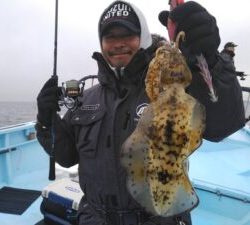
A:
(220, 173)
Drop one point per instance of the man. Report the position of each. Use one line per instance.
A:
(228, 52)
(92, 135)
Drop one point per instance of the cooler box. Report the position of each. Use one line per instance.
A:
(61, 201)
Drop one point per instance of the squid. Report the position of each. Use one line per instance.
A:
(168, 132)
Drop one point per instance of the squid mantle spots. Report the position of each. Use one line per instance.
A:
(169, 130)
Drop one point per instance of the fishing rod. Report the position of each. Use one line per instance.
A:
(55, 40)
(70, 93)
(241, 74)
(71, 90)
(52, 173)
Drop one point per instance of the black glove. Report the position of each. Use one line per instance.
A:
(47, 101)
(202, 33)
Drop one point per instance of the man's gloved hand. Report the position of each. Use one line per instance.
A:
(202, 33)
(47, 101)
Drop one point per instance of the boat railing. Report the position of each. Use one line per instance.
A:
(13, 136)
(17, 144)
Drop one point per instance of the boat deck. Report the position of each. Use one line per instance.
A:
(220, 172)
(34, 181)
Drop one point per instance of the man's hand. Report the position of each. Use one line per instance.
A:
(47, 101)
(202, 33)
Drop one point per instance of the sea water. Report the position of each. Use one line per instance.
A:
(12, 113)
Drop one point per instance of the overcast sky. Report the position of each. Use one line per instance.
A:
(27, 39)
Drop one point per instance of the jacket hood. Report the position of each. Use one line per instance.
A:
(145, 36)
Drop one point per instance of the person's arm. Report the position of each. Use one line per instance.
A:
(225, 116)
(202, 37)
(47, 102)
(65, 152)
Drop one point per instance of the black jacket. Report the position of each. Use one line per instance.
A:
(93, 134)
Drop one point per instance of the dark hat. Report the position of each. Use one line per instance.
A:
(230, 44)
(121, 14)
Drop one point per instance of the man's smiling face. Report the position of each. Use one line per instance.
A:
(119, 45)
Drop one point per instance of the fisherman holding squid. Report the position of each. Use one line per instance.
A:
(93, 134)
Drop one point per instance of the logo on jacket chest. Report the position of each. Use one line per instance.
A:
(90, 107)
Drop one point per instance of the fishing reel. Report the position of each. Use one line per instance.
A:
(72, 91)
